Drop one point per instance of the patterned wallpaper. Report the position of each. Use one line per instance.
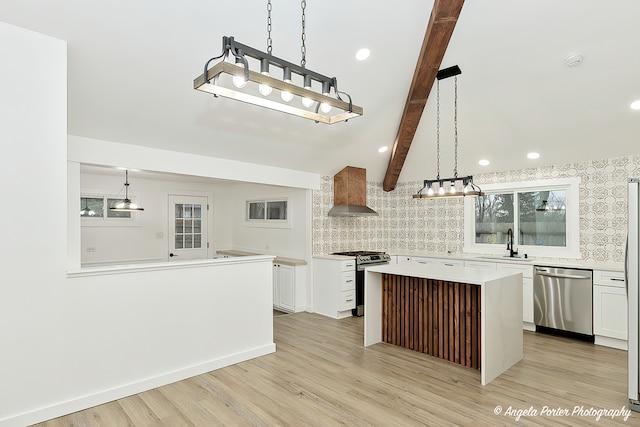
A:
(437, 226)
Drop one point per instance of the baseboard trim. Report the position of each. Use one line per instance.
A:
(109, 395)
(611, 342)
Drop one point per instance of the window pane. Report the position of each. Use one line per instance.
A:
(179, 241)
(178, 210)
(197, 226)
(179, 226)
(116, 214)
(197, 211)
(187, 211)
(187, 226)
(256, 210)
(188, 241)
(91, 207)
(543, 219)
(494, 217)
(197, 241)
(277, 210)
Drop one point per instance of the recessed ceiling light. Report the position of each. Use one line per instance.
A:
(363, 54)
(635, 105)
(573, 60)
(484, 162)
(533, 156)
(383, 149)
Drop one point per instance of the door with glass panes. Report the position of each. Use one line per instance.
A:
(188, 227)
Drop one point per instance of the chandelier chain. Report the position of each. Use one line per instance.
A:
(269, 40)
(455, 126)
(303, 48)
(438, 126)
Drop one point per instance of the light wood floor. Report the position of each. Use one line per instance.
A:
(322, 375)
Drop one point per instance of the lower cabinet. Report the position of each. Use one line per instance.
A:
(610, 309)
(284, 287)
(334, 287)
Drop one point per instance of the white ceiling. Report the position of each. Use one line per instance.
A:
(132, 65)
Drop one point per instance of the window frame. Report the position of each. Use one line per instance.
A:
(106, 220)
(266, 222)
(571, 250)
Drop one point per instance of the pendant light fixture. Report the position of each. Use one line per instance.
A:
(125, 204)
(457, 186)
(236, 80)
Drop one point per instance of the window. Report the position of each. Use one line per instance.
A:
(543, 217)
(94, 210)
(267, 212)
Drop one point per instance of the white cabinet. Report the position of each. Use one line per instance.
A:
(290, 282)
(481, 264)
(284, 287)
(402, 259)
(334, 287)
(610, 309)
(527, 290)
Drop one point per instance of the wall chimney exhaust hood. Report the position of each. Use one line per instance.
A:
(350, 193)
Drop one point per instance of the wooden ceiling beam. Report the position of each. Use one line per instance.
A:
(444, 17)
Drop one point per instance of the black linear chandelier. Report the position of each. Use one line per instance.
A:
(236, 80)
(457, 186)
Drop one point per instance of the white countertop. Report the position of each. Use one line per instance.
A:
(473, 276)
(335, 257)
(551, 262)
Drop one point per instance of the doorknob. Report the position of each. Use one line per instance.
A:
(172, 254)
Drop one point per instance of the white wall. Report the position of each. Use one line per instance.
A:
(69, 342)
(287, 241)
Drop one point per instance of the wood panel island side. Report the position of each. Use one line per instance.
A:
(468, 316)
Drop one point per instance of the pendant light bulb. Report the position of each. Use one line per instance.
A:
(453, 190)
(441, 190)
(285, 94)
(307, 102)
(430, 191)
(325, 108)
(238, 80)
(265, 90)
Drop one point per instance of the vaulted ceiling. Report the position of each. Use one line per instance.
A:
(132, 65)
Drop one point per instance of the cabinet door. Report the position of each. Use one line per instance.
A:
(286, 287)
(276, 286)
(610, 312)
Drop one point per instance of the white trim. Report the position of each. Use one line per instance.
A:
(108, 395)
(572, 250)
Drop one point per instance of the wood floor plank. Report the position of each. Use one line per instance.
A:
(321, 375)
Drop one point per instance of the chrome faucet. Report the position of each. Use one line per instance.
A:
(512, 253)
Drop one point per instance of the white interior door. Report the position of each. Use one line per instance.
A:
(188, 227)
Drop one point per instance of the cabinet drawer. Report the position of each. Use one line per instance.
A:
(348, 281)
(480, 264)
(349, 265)
(347, 300)
(608, 278)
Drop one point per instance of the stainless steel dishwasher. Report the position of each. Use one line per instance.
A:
(563, 299)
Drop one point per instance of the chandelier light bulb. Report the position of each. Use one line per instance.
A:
(441, 190)
(265, 90)
(307, 102)
(285, 94)
(452, 190)
(239, 81)
(325, 108)
(430, 191)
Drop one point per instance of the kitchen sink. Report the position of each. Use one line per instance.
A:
(504, 258)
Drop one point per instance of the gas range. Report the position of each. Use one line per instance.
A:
(366, 258)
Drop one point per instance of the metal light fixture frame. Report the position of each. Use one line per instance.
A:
(468, 187)
(209, 79)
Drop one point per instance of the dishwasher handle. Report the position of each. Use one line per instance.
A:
(561, 276)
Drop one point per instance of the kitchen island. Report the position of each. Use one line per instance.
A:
(468, 316)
